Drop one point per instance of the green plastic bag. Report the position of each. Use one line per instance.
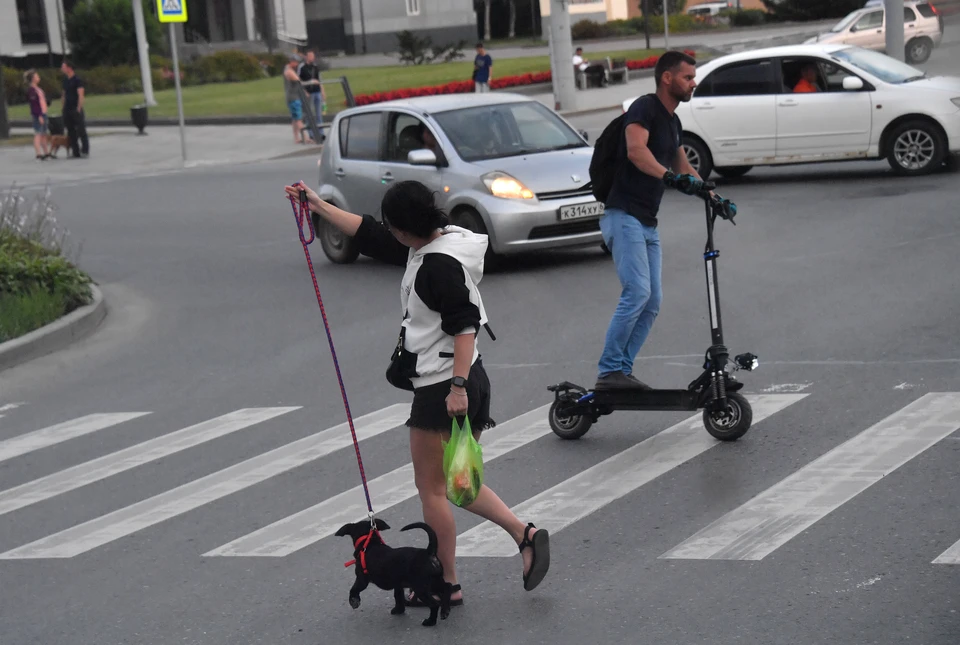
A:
(462, 464)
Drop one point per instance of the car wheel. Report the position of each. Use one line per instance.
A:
(918, 50)
(339, 248)
(915, 148)
(732, 172)
(470, 219)
(699, 156)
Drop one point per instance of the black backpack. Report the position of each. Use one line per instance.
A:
(606, 158)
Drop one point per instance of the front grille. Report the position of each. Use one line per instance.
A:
(565, 228)
(582, 191)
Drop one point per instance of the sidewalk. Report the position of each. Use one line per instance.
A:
(117, 152)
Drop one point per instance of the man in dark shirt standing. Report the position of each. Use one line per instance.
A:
(309, 73)
(72, 107)
(482, 69)
(651, 147)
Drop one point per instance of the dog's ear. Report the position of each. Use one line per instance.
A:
(381, 525)
(344, 530)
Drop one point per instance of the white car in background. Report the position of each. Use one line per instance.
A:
(744, 111)
(866, 27)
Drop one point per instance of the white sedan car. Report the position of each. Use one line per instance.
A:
(745, 111)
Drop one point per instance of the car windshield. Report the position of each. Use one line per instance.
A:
(506, 130)
(846, 22)
(880, 65)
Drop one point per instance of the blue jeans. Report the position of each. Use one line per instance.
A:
(636, 254)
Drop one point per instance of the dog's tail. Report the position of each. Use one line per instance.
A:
(432, 545)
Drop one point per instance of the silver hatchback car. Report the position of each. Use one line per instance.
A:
(501, 164)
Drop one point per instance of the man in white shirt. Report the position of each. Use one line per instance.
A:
(594, 70)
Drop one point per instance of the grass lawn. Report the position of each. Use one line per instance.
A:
(265, 97)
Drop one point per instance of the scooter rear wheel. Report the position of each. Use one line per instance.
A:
(568, 427)
(733, 422)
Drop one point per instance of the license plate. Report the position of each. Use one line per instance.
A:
(576, 211)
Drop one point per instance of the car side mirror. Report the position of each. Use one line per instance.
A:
(852, 83)
(585, 135)
(423, 157)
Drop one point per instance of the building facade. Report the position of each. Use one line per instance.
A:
(35, 29)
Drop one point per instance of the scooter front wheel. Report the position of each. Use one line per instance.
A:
(568, 426)
(731, 423)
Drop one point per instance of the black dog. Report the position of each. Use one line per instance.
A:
(397, 569)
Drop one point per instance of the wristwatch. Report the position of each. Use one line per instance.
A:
(459, 381)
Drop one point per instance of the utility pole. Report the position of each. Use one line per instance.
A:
(4, 124)
(666, 25)
(893, 22)
(145, 76)
(561, 57)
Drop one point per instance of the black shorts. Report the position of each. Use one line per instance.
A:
(429, 408)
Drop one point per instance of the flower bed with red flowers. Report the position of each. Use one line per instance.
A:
(462, 87)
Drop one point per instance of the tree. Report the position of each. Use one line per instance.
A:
(102, 32)
(811, 9)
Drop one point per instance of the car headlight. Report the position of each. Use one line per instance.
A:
(500, 184)
(956, 101)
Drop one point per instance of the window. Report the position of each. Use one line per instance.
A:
(30, 13)
(909, 15)
(506, 130)
(753, 78)
(872, 20)
(829, 76)
(360, 137)
(926, 10)
(413, 7)
(404, 136)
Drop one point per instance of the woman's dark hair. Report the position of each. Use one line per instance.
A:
(409, 206)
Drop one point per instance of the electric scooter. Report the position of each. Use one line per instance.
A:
(727, 414)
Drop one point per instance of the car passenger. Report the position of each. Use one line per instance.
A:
(808, 79)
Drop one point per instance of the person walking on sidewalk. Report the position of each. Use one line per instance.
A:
(74, 118)
(652, 138)
(443, 313)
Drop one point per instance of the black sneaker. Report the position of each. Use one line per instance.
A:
(616, 381)
(638, 384)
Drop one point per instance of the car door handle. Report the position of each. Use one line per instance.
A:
(788, 103)
(340, 173)
(705, 107)
(386, 176)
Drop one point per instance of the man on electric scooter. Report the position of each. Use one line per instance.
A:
(653, 141)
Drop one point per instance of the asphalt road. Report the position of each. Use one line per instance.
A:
(842, 278)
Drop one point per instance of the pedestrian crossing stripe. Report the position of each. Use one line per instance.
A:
(759, 527)
(172, 10)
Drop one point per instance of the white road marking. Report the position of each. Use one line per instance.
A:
(317, 522)
(611, 479)
(787, 387)
(950, 556)
(780, 513)
(102, 530)
(52, 435)
(133, 456)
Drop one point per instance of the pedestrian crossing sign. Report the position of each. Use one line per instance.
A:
(172, 10)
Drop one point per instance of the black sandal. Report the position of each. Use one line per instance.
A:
(416, 602)
(538, 565)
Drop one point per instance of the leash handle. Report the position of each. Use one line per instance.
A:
(301, 211)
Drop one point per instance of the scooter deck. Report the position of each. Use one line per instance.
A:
(639, 399)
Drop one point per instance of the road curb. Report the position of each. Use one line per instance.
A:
(56, 335)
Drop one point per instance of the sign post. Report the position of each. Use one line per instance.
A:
(171, 11)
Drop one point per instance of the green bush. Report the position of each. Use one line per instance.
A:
(38, 283)
(102, 32)
(224, 67)
(675, 7)
(746, 17)
(22, 313)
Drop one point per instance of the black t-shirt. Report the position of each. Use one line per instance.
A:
(310, 72)
(71, 98)
(634, 191)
